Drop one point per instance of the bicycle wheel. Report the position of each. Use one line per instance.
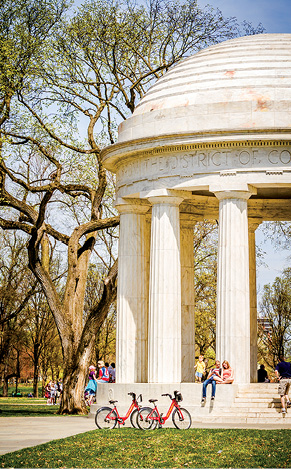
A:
(146, 418)
(105, 418)
(133, 418)
(181, 419)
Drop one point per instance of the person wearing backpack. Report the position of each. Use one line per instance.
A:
(103, 373)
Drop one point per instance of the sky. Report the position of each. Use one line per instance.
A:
(275, 16)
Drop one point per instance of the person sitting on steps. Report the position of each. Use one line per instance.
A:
(227, 374)
(213, 375)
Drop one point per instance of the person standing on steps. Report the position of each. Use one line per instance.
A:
(200, 369)
(283, 373)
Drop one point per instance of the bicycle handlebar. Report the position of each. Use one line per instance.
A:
(133, 395)
(167, 395)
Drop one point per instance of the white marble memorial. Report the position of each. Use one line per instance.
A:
(210, 140)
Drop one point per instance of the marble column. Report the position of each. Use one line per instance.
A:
(187, 302)
(233, 297)
(165, 292)
(132, 295)
(253, 224)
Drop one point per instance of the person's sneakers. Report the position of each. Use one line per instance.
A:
(212, 398)
(283, 411)
(203, 400)
(288, 403)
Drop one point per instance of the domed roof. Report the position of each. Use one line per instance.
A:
(243, 84)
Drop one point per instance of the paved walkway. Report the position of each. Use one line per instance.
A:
(22, 432)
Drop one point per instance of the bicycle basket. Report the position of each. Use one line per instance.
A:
(179, 397)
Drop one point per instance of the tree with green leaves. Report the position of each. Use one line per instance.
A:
(205, 261)
(274, 329)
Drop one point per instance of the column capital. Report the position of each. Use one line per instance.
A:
(138, 208)
(165, 200)
(234, 194)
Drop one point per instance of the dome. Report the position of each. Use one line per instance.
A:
(219, 120)
(240, 85)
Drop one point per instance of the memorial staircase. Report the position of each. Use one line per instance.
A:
(253, 404)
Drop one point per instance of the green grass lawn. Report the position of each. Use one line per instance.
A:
(24, 389)
(129, 448)
(25, 407)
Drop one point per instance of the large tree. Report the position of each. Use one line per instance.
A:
(65, 84)
(275, 320)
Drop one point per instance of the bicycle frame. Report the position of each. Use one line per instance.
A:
(160, 419)
(120, 419)
(149, 418)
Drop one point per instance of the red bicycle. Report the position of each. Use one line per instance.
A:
(149, 418)
(106, 418)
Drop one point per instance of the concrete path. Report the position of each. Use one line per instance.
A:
(23, 432)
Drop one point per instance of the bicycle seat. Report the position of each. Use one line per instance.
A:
(153, 400)
(112, 402)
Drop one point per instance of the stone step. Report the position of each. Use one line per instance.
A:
(280, 420)
(252, 408)
(243, 392)
(258, 396)
(250, 412)
(258, 405)
(259, 387)
(263, 400)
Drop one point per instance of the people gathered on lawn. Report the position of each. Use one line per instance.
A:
(53, 392)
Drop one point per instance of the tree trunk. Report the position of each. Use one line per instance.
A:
(77, 338)
(74, 380)
(5, 386)
(36, 350)
(35, 382)
(17, 374)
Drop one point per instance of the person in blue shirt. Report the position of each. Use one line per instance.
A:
(283, 373)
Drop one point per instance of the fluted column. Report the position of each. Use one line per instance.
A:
(253, 301)
(233, 298)
(165, 292)
(132, 295)
(187, 302)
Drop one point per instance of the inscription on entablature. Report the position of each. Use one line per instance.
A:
(202, 161)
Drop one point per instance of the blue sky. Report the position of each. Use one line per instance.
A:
(275, 15)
